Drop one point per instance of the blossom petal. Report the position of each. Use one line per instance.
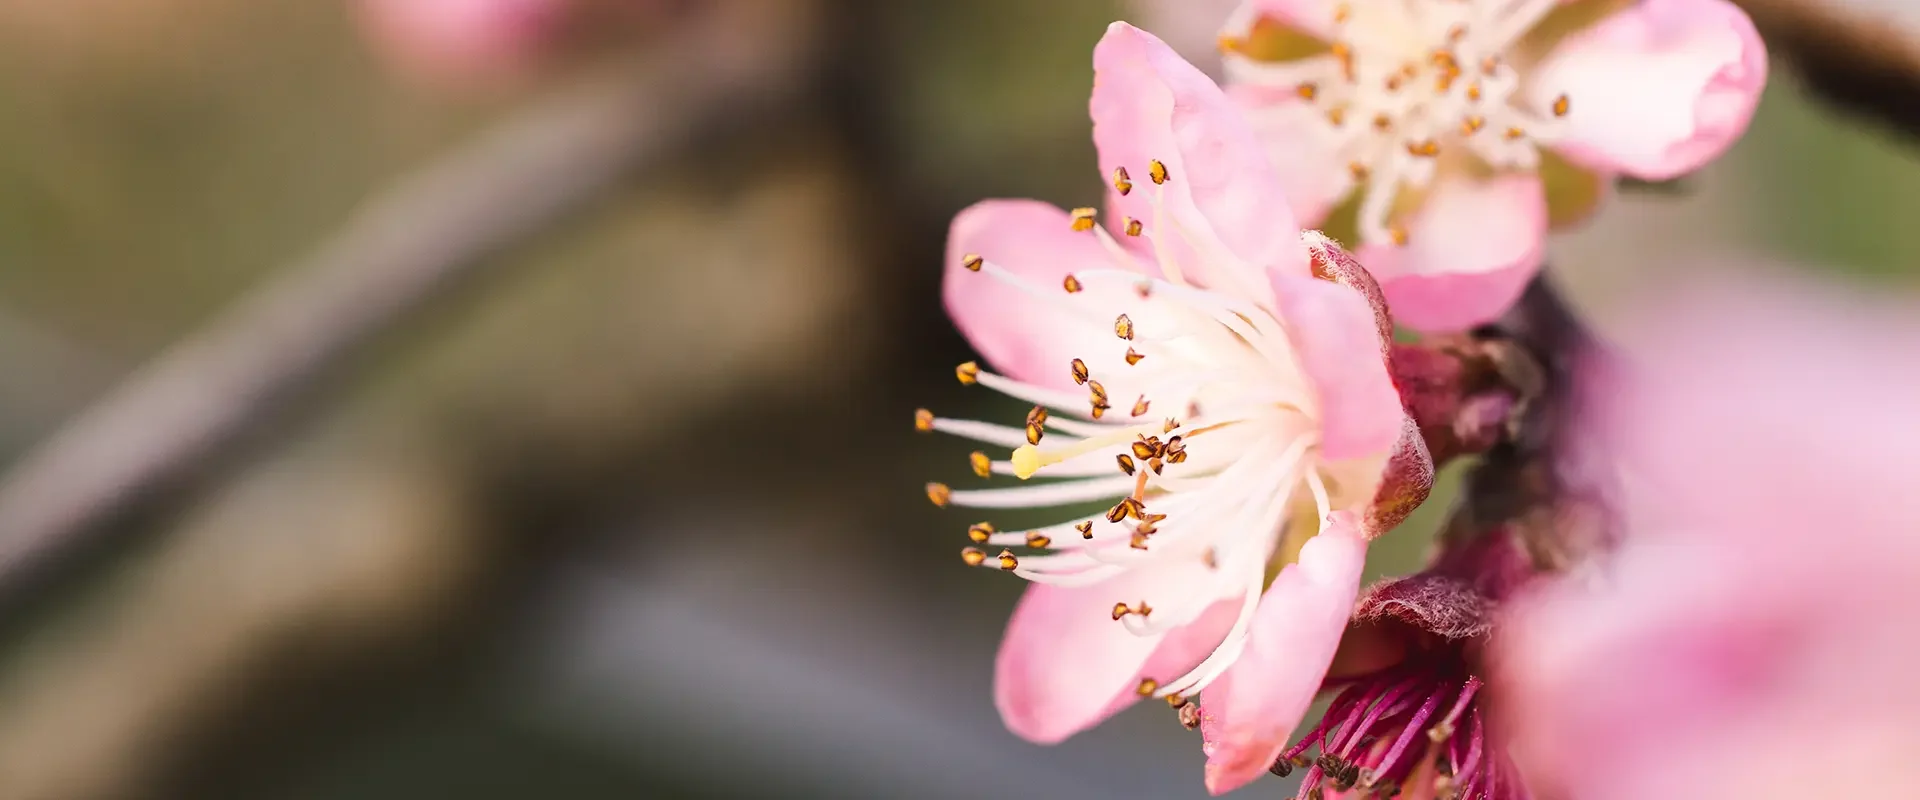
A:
(1149, 105)
(1658, 89)
(1025, 336)
(1336, 336)
(1472, 246)
(1253, 708)
(1305, 151)
(1065, 664)
(1307, 16)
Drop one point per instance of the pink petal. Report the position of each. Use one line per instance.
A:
(1472, 247)
(1020, 334)
(1337, 339)
(1149, 104)
(1066, 664)
(1254, 707)
(1305, 151)
(1658, 89)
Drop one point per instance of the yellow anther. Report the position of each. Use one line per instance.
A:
(974, 556)
(1037, 540)
(1072, 284)
(1140, 406)
(1085, 529)
(922, 420)
(1158, 172)
(1399, 235)
(1037, 416)
(1472, 125)
(1515, 133)
(1133, 357)
(1473, 91)
(1079, 372)
(968, 373)
(1561, 105)
(1147, 687)
(1007, 561)
(1307, 90)
(1424, 149)
(1034, 432)
(982, 466)
(972, 262)
(1337, 115)
(1134, 227)
(939, 493)
(1122, 183)
(1123, 327)
(1125, 461)
(980, 532)
(1083, 219)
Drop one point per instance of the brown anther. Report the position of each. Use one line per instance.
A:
(1034, 432)
(982, 466)
(1489, 66)
(1176, 701)
(1079, 372)
(1337, 115)
(1134, 227)
(1358, 170)
(1190, 716)
(1037, 416)
(1145, 529)
(1099, 410)
(1170, 426)
(1147, 687)
(1144, 450)
(1037, 540)
(1138, 541)
(1281, 767)
(968, 373)
(1561, 105)
(922, 420)
(1210, 558)
(980, 532)
(1472, 125)
(1072, 284)
(1399, 235)
(1097, 392)
(1152, 519)
(973, 262)
(1382, 123)
(1144, 289)
(1126, 462)
(1515, 133)
(1127, 507)
(1123, 327)
(1140, 406)
(1122, 182)
(1424, 149)
(1473, 91)
(1133, 356)
(1085, 529)
(1156, 464)
(1007, 561)
(1158, 172)
(1121, 610)
(1083, 219)
(1117, 512)
(974, 556)
(940, 494)
(1307, 90)
(1394, 82)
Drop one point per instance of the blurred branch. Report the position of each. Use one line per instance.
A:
(1858, 61)
(430, 233)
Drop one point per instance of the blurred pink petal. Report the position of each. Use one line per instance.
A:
(1306, 154)
(1755, 617)
(1250, 711)
(1471, 249)
(1661, 88)
(1360, 410)
(1149, 105)
(464, 38)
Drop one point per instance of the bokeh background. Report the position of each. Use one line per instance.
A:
(635, 508)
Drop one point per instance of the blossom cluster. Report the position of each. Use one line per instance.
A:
(1245, 406)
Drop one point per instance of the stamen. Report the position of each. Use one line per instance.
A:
(1085, 529)
(1147, 687)
(973, 262)
(1134, 227)
(1122, 183)
(1037, 540)
(1126, 463)
(1071, 284)
(1079, 372)
(1123, 327)
(1158, 172)
(1007, 561)
(980, 532)
(968, 373)
(1133, 357)
(974, 556)
(939, 494)
(1140, 406)
(922, 420)
(1083, 219)
(1561, 105)
(982, 465)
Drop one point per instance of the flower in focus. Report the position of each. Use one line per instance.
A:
(1418, 126)
(1210, 376)
(1753, 636)
(1410, 719)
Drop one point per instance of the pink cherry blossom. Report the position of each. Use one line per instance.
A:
(490, 41)
(1425, 119)
(1753, 637)
(1215, 377)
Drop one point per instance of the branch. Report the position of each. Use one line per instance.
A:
(1858, 61)
(430, 233)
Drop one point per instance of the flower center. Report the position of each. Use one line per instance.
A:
(1202, 467)
(1406, 84)
(1416, 723)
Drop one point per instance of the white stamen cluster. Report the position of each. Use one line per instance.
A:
(1405, 82)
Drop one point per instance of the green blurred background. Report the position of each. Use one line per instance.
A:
(638, 513)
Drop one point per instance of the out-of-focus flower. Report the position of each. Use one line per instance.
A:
(1753, 638)
(1191, 27)
(480, 42)
(1211, 376)
(1418, 125)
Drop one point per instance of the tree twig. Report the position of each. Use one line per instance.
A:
(1858, 61)
(431, 232)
